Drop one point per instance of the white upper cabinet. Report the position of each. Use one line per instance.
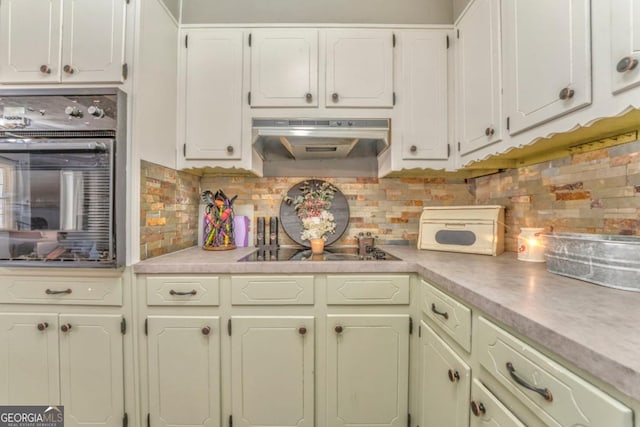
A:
(359, 68)
(478, 77)
(210, 94)
(547, 54)
(48, 41)
(284, 68)
(625, 44)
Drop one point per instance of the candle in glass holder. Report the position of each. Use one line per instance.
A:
(531, 245)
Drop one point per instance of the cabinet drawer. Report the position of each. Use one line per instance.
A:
(453, 317)
(61, 290)
(570, 400)
(372, 289)
(185, 290)
(272, 290)
(490, 411)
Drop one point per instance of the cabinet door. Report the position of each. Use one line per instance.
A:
(30, 41)
(547, 54)
(184, 371)
(625, 44)
(29, 359)
(93, 40)
(445, 382)
(212, 94)
(478, 63)
(488, 411)
(359, 68)
(367, 370)
(92, 370)
(284, 68)
(272, 371)
(425, 129)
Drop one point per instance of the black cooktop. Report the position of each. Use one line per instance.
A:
(346, 253)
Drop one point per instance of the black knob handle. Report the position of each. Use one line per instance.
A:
(566, 93)
(489, 131)
(42, 326)
(413, 149)
(66, 327)
(230, 149)
(309, 97)
(302, 330)
(334, 97)
(477, 408)
(206, 330)
(68, 69)
(453, 376)
(627, 63)
(339, 329)
(44, 69)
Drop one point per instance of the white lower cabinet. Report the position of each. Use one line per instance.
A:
(272, 371)
(445, 380)
(488, 411)
(367, 370)
(184, 370)
(73, 360)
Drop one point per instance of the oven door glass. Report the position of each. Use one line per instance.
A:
(56, 201)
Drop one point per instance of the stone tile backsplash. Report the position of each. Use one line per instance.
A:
(594, 192)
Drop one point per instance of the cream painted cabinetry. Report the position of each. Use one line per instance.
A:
(547, 60)
(478, 77)
(210, 94)
(487, 410)
(75, 360)
(625, 44)
(70, 41)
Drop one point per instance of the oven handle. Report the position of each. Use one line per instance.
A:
(53, 146)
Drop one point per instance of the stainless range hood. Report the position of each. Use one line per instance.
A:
(311, 139)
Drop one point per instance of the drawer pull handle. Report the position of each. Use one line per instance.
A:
(206, 330)
(191, 292)
(478, 408)
(66, 327)
(454, 376)
(439, 313)
(52, 292)
(339, 329)
(544, 392)
(42, 326)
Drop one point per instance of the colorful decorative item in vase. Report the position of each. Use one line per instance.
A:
(312, 207)
(217, 230)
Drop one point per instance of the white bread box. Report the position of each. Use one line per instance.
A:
(469, 229)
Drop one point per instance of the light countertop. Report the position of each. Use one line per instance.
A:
(596, 328)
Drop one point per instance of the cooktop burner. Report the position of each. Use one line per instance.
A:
(329, 254)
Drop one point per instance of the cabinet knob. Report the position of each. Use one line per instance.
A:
(42, 326)
(413, 149)
(489, 131)
(96, 111)
(566, 93)
(338, 329)
(66, 327)
(334, 97)
(68, 69)
(206, 330)
(309, 97)
(44, 69)
(230, 149)
(477, 408)
(454, 376)
(627, 63)
(302, 330)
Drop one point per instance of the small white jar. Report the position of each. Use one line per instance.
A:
(531, 245)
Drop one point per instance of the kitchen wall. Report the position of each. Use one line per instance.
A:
(595, 192)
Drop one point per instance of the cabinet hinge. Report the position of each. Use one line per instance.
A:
(146, 326)
(125, 420)
(230, 420)
(394, 98)
(229, 326)
(508, 123)
(408, 420)
(249, 39)
(148, 420)
(393, 39)
(458, 33)
(184, 150)
(459, 146)
(447, 41)
(125, 71)
(448, 150)
(186, 41)
(123, 327)
(419, 331)
(410, 325)
(128, 1)
(249, 98)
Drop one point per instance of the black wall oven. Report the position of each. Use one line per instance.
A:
(62, 178)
